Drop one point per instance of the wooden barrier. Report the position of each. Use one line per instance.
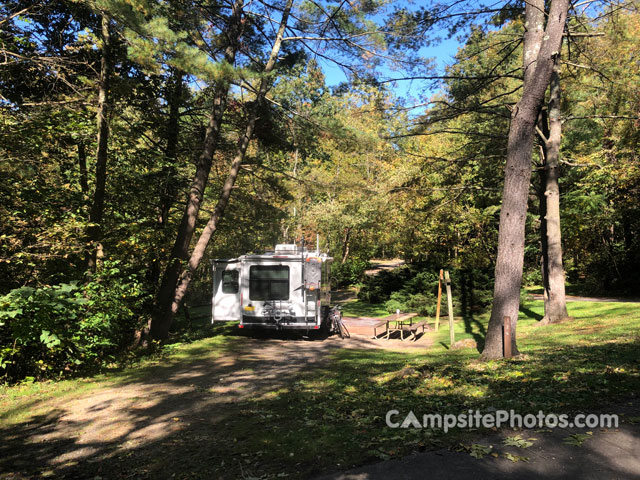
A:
(452, 335)
(439, 300)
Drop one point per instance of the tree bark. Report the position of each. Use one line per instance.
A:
(168, 188)
(96, 213)
(533, 36)
(162, 323)
(346, 245)
(510, 258)
(555, 302)
(171, 151)
(544, 250)
(82, 165)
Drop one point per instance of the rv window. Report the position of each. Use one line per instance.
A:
(230, 282)
(269, 282)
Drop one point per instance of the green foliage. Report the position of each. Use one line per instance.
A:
(518, 441)
(57, 330)
(414, 288)
(348, 273)
(577, 439)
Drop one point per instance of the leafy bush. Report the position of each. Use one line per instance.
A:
(532, 277)
(349, 272)
(60, 329)
(413, 288)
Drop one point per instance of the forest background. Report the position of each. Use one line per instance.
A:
(142, 139)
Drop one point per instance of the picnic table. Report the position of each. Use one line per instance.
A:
(402, 323)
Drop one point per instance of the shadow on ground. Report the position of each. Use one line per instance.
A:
(174, 419)
(472, 325)
(241, 407)
(607, 454)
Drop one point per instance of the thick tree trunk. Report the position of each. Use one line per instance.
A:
(162, 322)
(94, 232)
(533, 36)
(555, 304)
(510, 258)
(168, 188)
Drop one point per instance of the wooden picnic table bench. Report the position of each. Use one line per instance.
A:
(381, 323)
(401, 321)
(415, 327)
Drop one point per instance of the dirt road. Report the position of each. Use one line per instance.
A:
(162, 420)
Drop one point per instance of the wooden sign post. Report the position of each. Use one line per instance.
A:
(447, 280)
(439, 300)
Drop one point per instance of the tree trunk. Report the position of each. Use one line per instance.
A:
(173, 123)
(162, 323)
(555, 305)
(544, 250)
(82, 165)
(168, 188)
(510, 258)
(171, 152)
(345, 245)
(97, 208)
(180, 251)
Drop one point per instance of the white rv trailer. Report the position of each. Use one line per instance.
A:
(287, 288)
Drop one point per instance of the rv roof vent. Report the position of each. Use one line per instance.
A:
(286, 247)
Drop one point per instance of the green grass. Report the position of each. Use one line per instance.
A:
(358, 308)
(332, 417)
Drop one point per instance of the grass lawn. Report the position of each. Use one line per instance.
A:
(333, 415)
(357, 308)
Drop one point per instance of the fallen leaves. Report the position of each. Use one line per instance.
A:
(515, 458)
(518, 441)
(577, 439)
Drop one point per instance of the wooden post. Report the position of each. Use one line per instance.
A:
(447, 280)
(506, 337)
(439, 300)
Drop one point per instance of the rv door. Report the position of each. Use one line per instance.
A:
(226, 292)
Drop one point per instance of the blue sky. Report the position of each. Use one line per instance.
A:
(442, 52)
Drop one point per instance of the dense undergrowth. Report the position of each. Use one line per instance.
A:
(59, 330)
(413, 288)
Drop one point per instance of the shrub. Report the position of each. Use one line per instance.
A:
(56, 330)
(413, 288)
(350, 272)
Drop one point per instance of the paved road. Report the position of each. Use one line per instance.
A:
(572, 298)
(378, 265)
(607, 454)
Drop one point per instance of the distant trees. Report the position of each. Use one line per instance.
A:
(151, 128)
